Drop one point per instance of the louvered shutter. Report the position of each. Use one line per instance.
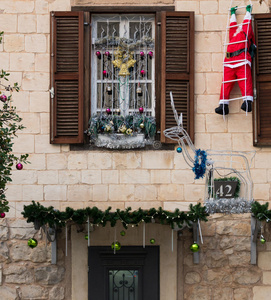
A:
(67, 31)
(177, 69)
(262, 109)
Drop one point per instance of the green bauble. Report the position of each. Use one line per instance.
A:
(122, 233)
(262, 240)
(152, 241)
(86, 237)
(194, 247)
(116, 245)
(32, 243)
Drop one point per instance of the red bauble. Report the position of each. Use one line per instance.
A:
(104, 73)
(142, 72)
(98, 53)
(141, 110)
(2, 215)
(150, 54)
(19, 166)
(142, 53)
(3, 98)
(107, 53)
(108, 110)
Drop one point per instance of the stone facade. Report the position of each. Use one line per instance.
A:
(60, 177)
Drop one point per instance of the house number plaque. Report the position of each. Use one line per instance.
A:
(225, 189)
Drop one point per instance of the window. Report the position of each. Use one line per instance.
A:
(262, 106)
(87, 79)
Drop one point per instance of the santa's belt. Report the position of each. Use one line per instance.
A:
(235, 53)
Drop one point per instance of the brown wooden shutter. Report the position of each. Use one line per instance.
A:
(177, 69)
(262, 107)
(67, 32)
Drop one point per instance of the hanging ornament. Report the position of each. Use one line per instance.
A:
(32, 243)
(108, 111)
(129, 131)
(141, 110)
(116, 246)
(19, 166)
(124, 60)
(194, 247)
(179, 150)
(122, 233)
(2, 215)
(86, 236)
(117, 111)
(98, 54)
(107, 53)
(107, 128)
(142, 72)
(141, 125)
(142, 54)
(109, 90)
(262, 239)
(150, 53)
(139, 91)
(152, 241)
(3, 98)
(104, 73)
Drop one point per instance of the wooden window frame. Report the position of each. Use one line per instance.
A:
(160, 13)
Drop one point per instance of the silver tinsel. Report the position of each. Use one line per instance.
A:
(228, 206)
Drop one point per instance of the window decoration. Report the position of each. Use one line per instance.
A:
(122, 100)
(215, 163)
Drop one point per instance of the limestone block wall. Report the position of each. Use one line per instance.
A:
(224, 271)
(60, 177)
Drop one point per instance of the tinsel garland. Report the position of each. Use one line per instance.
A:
(38, 214)
(200, 163)
(228, 206)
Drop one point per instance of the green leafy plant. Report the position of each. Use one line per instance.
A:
(9, 126)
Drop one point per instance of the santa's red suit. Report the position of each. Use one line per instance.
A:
(237, 63)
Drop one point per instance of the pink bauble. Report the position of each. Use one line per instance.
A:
(3, 98)
(107, 53)
(142, 72)
(19, 166)
(2, 215)
(108, 110)
(150, 54)
(104, 72)
(141, 109)
(142, 53)
(98, 53)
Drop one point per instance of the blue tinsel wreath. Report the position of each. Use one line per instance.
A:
(200, 168)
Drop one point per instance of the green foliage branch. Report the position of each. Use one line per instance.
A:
(9, 125)
(40, 215)
(261, 211)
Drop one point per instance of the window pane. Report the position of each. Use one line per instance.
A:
(123, 285)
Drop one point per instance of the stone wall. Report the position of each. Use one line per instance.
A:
(60, 177)
(27, 273)
(224, 271)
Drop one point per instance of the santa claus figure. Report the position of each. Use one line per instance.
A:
(237, 63)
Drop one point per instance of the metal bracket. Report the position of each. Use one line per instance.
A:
(196, 239)
(255, 229)
(52, 92)
(51, 235)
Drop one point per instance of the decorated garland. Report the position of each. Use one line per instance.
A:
(129, 125)
(40, 215)
(200, 163)
(261, 211)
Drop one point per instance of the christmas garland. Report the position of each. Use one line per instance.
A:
(40, 215)
(200, 167)
(261, 211)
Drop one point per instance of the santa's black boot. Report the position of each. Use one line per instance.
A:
(222, 109)
(247, 106)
